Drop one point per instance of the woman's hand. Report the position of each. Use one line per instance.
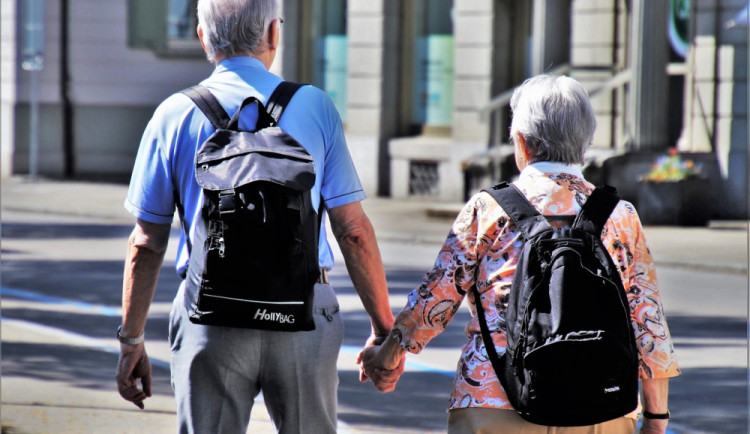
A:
(383, 371)
(383, 363)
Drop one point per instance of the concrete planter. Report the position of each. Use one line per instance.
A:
(675, 203)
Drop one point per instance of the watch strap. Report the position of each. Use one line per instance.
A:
(649, 415)
(129, 341)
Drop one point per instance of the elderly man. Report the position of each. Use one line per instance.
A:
(553, 125)
(218, 371)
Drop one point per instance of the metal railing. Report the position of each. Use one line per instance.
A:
(493, 111)
(487, 166)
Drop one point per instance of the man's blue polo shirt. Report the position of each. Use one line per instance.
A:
(164, 167)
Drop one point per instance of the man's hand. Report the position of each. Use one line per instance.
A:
(383, 373)
(371, 341)
(146, 247)
(132, 366)
(381, 361)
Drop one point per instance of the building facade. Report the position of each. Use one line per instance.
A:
(422, 86)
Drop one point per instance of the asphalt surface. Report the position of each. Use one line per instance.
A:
(62, 251)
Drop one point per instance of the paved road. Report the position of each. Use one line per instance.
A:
(62, 250)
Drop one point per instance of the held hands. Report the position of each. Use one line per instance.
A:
(134, 365)
(383, 364)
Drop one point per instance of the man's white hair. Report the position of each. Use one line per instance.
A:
(233, 27)
(555, 118)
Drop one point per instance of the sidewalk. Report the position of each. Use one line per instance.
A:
(720, 248)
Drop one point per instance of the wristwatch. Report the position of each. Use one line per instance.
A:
(649, 415)
(129, 341)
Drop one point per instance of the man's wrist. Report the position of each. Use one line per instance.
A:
(381, 332)
(132, 341)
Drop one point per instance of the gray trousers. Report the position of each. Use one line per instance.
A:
(218, 371)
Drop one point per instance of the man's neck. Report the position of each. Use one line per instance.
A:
(266, 58)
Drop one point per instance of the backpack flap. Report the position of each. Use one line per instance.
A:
(230, 159)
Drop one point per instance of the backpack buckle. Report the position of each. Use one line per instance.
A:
(227, 203)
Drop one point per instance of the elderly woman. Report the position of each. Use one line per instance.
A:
(553, 124)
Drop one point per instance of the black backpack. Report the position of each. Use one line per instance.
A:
(570, 358)
(254, 259)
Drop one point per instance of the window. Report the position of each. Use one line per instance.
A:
(316, 46)
(330, 51)
(182, 20)
(167, 27)
(429, 60)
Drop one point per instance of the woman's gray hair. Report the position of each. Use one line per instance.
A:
(555, 118)
(233, 27)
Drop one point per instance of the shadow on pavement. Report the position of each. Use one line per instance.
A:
(59, 231)
(75, 366)
(419, 401)
(707, 327)
(95, 282)
(703, 399)
(710, 400)
(89, 325)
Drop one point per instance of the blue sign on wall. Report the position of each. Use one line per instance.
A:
(32, 51)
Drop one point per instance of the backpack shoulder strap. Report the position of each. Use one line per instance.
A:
(489, 344)
(597, 209)
(280, 98)
(519, 209)
(209, 105)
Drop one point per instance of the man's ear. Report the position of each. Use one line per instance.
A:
(273, 35)
(200, 36)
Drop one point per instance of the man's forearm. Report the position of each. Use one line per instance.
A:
(365, 267)
(143, 262)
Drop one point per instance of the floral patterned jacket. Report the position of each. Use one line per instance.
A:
(482, 249)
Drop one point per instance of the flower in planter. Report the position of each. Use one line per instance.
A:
(671, 168)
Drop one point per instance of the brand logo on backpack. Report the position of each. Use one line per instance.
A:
(278, 317)
(612, 389)
(580, 336)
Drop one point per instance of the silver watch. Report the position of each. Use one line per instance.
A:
(129, 341)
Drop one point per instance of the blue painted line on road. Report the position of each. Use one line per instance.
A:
(83, 340)
(421, 367)
(33, 296)
(115, 312)
(88, 340)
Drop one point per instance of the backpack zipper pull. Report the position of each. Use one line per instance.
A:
(222, 247)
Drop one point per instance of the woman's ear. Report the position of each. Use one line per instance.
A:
(525, 152)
